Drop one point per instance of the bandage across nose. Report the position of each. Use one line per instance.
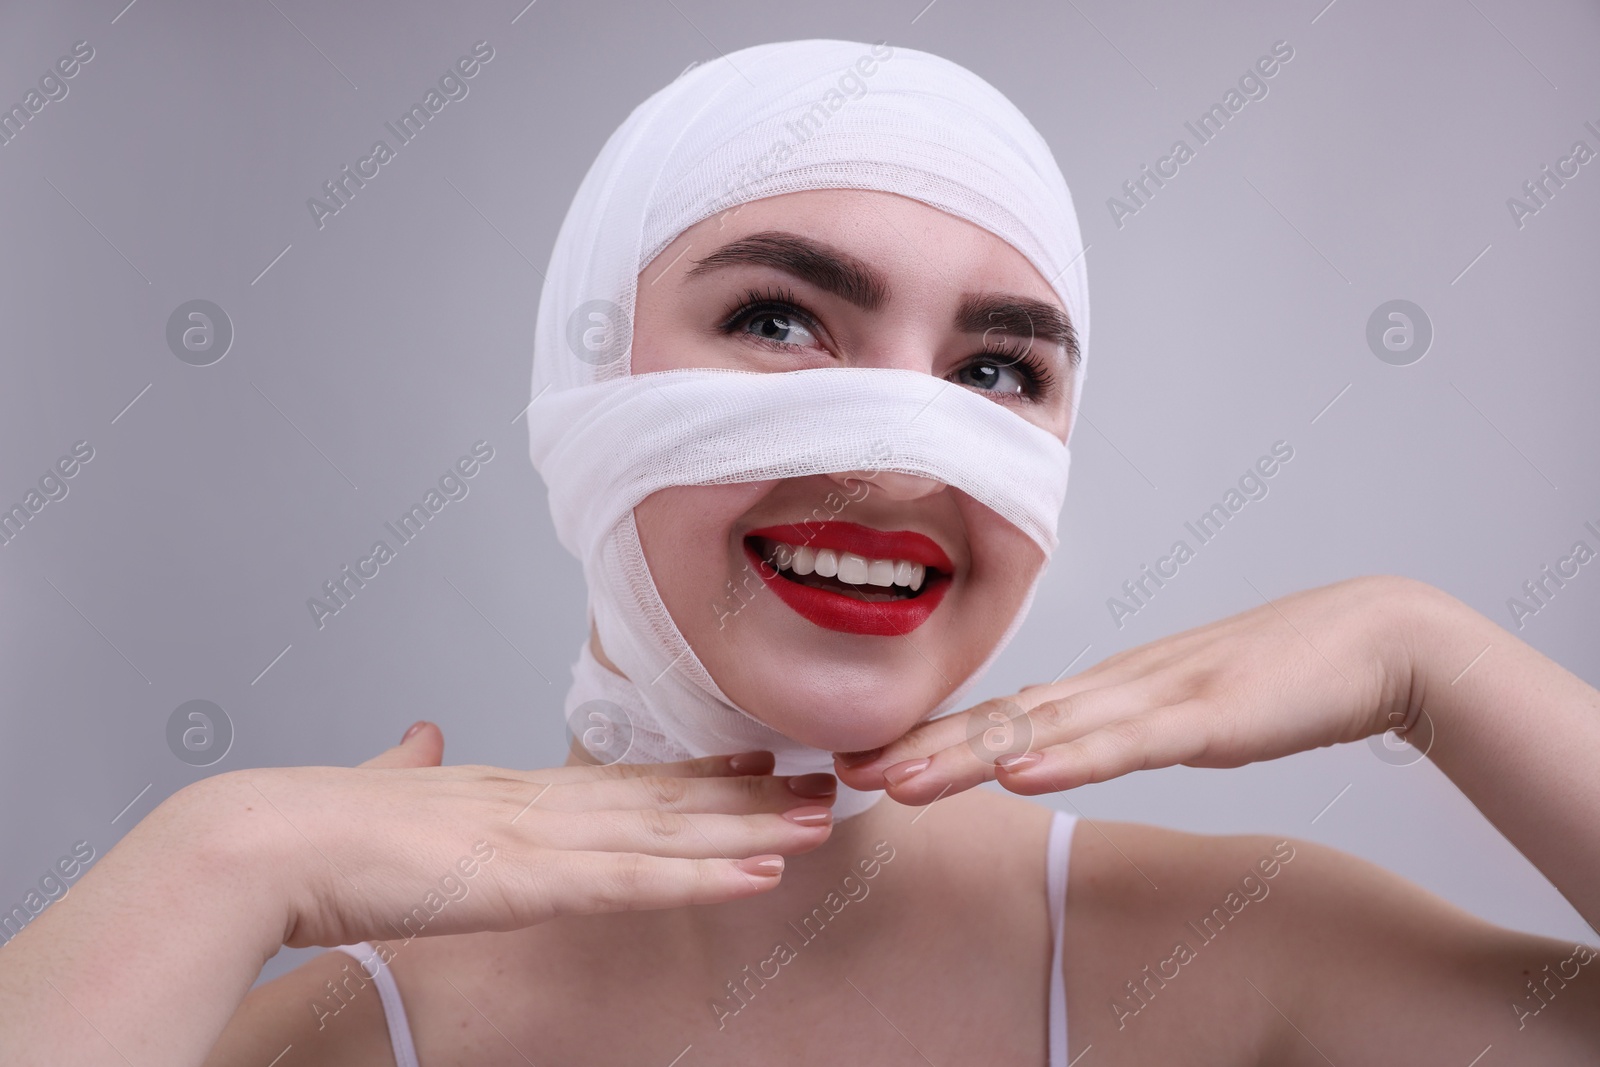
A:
(604, 447)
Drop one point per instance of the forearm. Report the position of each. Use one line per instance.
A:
(1517, 733)
(146, 958)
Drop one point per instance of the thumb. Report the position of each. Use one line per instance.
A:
(422, 746)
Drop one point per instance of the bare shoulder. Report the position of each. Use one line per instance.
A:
(324, 1012)
(1161, 930)
(1306, 951)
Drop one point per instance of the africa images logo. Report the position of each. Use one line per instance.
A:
(52, 87)
(1252, 85)
(342, 589)
(452, 86)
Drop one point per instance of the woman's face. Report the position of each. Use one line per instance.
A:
(846, 278)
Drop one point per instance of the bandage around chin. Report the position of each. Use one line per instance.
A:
(604, 447)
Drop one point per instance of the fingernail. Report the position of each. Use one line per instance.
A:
(1018, 760)
(813, 786)
(900, 772)
(419, 724)
(752, 763)
(810, 815)
(766, 866)
(859, 759)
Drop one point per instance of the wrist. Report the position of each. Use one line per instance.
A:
(163, 936)
(223, 837)
(1425, 637)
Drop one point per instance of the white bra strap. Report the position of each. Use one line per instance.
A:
(394, 1011)
(1057, 853)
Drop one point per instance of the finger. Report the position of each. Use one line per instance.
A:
(720, 766)
(974, 758)
(864, 770)
(671, 833)
(1165, 737)
(588, 883)
(422, 746)
(742, 795)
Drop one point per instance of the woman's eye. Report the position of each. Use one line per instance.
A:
(779, 327)
(992, 375)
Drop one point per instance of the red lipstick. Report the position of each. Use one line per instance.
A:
(844, 613)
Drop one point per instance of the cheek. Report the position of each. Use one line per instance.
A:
(684, 531)
(1004, 562)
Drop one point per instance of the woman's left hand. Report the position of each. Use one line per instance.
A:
(1315, 668)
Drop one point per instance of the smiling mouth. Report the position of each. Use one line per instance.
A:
(874, 581)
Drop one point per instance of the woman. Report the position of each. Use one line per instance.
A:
(693, 887)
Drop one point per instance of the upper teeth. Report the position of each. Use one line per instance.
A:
(846, 566)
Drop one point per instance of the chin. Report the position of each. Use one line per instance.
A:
(839, 718)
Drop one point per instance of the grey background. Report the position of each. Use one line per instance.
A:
(1229, 313)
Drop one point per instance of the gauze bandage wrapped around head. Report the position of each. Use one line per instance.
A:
(760, 122)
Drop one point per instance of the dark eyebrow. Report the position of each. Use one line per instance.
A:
(852, 280)
(1019, 315)
(827, 268)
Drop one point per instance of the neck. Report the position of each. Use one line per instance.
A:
(849, 865)
(855, 862)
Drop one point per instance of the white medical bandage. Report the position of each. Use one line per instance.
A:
(603, 439)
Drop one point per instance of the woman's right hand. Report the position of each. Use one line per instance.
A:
(401, 845)
(159, 941)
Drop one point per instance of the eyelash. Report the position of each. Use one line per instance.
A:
(1037, 377)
